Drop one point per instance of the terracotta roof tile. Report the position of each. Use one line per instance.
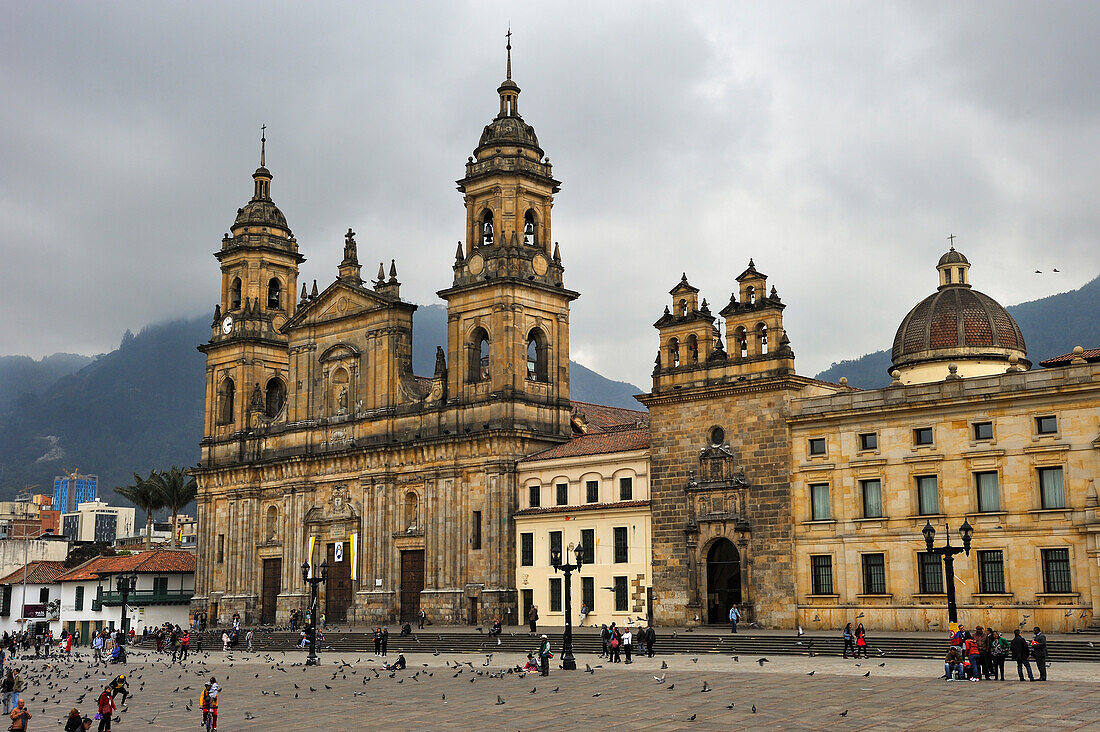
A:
(39, 572)
(158, 561)
(576, 509)
(599, 417)
(597, 443)
(1091, 355)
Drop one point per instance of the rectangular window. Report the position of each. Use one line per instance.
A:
(868, 441)
(160, 585)
(983, 430)
(1056, 571)
(872, 498)
(592, 491)
(221, 548)
(931, 573)
(588, 541)
(534, 495)
(5, 601)
(1046, 425)
(621, 549)
(620, 595)
(555, 594)
(78, 599)
(588, 593)
(527, 550)
(555, 546)
(922, 436)
(563, 493)
(819, 502)
(928, 495)
(991, 571)
(989, 494)
(947, 276)
(1051, 488)
(821, 568)
(626, 489)
(874, 574)
(817, 445)
(44, 595)
(475, 540)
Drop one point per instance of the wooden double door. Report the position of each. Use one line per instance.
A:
(412, 583)
(272, 585)
(338, 585)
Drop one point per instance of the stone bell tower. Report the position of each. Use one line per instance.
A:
(508, 311)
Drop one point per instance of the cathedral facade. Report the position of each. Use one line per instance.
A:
(320, 444)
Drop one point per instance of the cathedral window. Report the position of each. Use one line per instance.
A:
(674, 353)
(487, 229)
(272, 523)
(682, 308)
(762, 336)
(225, 402)
(339, 392)
(750, 294)
(412, 511)
(693, 349)
(479, 356)
(276, 397)
(741, 338)
(947, 277)
(529, 228)
(537, 357)
(274, 293)
(235, 294)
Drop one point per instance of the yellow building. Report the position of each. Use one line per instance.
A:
(964, 432)
(592, 491)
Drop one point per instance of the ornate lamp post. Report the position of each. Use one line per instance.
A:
(948, 552)
(567, 661)
(743, 529)
(125, 584)
(312, 659)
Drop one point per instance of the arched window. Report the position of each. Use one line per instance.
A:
(225, 405)
(274, 293)
(674, 352)
(340, 395)
(683, 308)
(479, 357)
(272, 523)
(537, 356)
(750, 294)
(487, 229)
(693, 349)
(276, 397)
(235, 294)
(741, 338)
(412, 511)
(529, 228)
(762, 335)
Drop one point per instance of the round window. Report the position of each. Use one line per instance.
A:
(717, 436)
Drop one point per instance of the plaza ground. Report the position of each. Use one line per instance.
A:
(902, 694)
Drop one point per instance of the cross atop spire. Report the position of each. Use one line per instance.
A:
(263, 144)
(951, 238)
(509, 48)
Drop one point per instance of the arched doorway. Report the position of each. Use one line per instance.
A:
(723, 580)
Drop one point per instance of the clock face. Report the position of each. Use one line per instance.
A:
(227, 325)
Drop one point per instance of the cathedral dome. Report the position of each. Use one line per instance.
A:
(956, 325)
(510, 131)
(260, 213)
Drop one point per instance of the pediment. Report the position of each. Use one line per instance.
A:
(339, 300)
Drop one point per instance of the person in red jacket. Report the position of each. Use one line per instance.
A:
(972, 653)
(106, 709)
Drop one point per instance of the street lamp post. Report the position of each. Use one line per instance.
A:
(567, 661)
(125, 584)
(948, 553)
(312, 659)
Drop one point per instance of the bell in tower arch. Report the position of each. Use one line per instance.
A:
(529, 229)
(487, 229)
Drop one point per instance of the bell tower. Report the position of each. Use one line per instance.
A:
(508, 311)
(247, 356)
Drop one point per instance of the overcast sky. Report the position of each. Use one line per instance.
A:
(836, 143)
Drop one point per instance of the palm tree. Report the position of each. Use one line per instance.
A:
(147, 496)
(177, 489)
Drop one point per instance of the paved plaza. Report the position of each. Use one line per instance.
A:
(275, 692)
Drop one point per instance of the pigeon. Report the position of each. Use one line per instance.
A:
(800, 631)
(533, 690)
(671, 687)
(691, 718)
(249, 715)
(706, 688)
(598, 693)
(812, 672)
(1057, 270)
(844, 713)
(882, 664)
(664, 665)
(817, 618)
(762, 661)
(867, 674)
(555, 690)
(695, 660)
(859, 616)
(754, 709)
(1038, 271)
(660, 679)
(500, 700)
(729, 706)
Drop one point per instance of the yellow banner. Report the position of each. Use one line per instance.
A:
(312, 542)
(352, 550)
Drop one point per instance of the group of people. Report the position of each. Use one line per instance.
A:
(381, 640)
(174, 639)
(982, 655)
(618, 642)
(855, 640)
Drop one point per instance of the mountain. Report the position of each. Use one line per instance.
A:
(140, 407)
(1051, 326)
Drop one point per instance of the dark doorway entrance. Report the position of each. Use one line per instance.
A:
(337, 586)
(273, 571)
(412, 582)
(471, 612)
(528, 601)
(723, 580)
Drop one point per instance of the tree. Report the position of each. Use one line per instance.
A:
(147, 496)
(177, 489)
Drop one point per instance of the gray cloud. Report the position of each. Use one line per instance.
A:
(838, 145)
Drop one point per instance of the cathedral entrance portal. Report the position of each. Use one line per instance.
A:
(412, 582)
(337, 586)
(723, 580)
(272, 574)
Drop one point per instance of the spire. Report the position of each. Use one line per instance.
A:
(509, 48)
(393, 271)
(262, 176)
(263, 145)
(509, 90)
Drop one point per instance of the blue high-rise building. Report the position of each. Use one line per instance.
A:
(71, 490)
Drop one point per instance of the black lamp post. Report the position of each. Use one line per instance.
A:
(125, 584)
(948, 552)
(567, 661)
(312, 659)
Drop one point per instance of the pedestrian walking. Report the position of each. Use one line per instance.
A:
(544, 656)
(385, 639)
(650, 639)
(984, 639)
(1020, 654)
(735, 618)
(532, 617)
(1039, 650)
(973, 656)
(861, 641)
(628, 644)
(605, 637)
(106, 707)
(849, 641)
(615, 644)
(97, 648)
(998, 652)
(378, 641)
(584, 614)
(75, 721)
(420, 618)
(8, 687)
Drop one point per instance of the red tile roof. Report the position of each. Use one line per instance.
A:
(598, 417)
(159, 561)
(597, 443)
(39, 572)
(577, 509)
(1091, 355)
